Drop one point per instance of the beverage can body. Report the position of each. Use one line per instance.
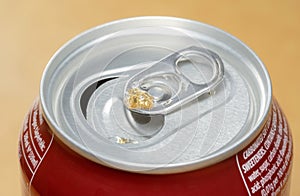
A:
(237, 143)
(262, 168)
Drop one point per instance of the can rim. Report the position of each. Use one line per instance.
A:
(191, 165)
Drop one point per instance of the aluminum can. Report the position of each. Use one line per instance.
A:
(155, 106)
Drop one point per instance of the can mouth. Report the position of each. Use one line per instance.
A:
(82, 94)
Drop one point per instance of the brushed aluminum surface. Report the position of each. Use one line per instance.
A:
(82, 97)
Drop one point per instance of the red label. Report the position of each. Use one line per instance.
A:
(265, 164)
(34, 142)
(263, 167)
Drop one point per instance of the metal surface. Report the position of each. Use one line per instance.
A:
(168, 87)
(82, 97)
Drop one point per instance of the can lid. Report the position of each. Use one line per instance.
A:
(155, 95)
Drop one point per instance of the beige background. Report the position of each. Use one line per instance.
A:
(31, 31)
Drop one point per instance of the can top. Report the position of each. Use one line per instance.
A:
(155, 95)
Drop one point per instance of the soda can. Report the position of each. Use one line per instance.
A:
(155, 106)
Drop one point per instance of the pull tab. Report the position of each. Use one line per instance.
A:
(163, 88)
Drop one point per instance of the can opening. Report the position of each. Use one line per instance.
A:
(86, 95)
(106, 114)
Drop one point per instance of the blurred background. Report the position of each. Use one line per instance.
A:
(31, 32)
